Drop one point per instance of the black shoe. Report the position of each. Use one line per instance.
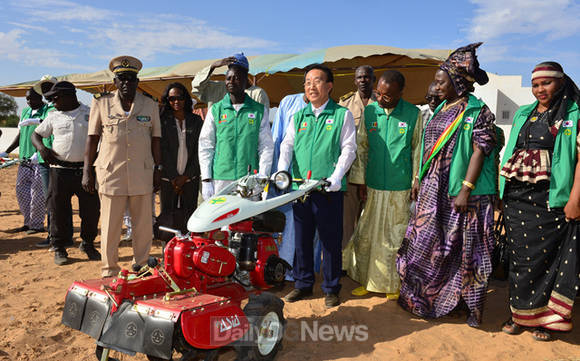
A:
(90, 251)
(18, 230)
(331, 300)
(60, 257)
(68, 244)
(35, 230)
(43, 244)
(298, 294)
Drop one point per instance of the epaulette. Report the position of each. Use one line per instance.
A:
(347, 95)
(98, 95)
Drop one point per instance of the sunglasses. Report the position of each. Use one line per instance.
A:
(174, 98)
(127, 78)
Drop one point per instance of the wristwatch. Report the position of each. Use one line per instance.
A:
(158, 167)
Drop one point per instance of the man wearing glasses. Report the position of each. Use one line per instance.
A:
(433, 102)
(128, 165)
(320, 138)
(389, 150)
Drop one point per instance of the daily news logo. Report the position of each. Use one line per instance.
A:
(246, 330)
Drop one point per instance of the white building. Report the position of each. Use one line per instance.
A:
(503, 95)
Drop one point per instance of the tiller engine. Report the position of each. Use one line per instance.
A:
(191, 303)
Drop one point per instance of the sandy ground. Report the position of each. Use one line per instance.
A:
(33, 291)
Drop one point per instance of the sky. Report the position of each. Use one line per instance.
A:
(60, 37)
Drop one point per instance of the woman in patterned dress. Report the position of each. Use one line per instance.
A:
(540, 186)
(446, 254)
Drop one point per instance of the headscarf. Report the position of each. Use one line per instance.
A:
(463, 69)
(569, 92)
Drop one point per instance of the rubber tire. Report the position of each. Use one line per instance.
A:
(255, 310)
(155, 358)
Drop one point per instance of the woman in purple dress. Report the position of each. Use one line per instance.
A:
(446, 254)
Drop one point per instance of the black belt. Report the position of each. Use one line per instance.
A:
(66, 164)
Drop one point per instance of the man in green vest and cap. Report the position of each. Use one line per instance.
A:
(29, 192)
(321, 139)
(235, 134)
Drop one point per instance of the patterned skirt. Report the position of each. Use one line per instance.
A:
(446, 257)
(544, 274)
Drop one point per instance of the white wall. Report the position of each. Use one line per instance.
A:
(504, 94)
(7, 137)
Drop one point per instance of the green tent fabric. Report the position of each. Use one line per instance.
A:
(282, 74)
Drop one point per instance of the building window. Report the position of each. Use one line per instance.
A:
(505, 114)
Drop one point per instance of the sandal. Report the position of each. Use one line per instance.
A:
(541, 334)
(360, 291)
(511, 328)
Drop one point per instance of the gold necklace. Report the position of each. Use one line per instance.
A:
(452, 104)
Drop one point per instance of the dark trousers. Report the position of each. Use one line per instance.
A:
(320, 212)
(64, 183)
(188, 203)
(44, 170)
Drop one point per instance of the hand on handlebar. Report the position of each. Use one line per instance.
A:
(332, 185)
(207, 190)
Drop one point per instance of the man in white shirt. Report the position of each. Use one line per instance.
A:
(235, 134)
(320, 139)
(69, 126)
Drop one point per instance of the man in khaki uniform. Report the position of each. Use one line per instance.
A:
(356, 101)
(128, 164)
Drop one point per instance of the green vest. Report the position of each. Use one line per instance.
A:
(25, 147)
(564, 157)
(487, 181)
(390, 163)
(47, 141)
(317, 142)
(237, 137)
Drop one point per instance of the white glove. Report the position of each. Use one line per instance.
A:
(3, 155)
(335, 185)
(34, 158)
(207, 190)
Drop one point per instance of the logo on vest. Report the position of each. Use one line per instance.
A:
(402, 125)
(329, 127)
(251, 117)
(143, 118)
(469, 120)
(401, 130)
(567, 132)
(329, 121)
(466, 126)
(303, 126)
(223, 118)
(568, 124)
